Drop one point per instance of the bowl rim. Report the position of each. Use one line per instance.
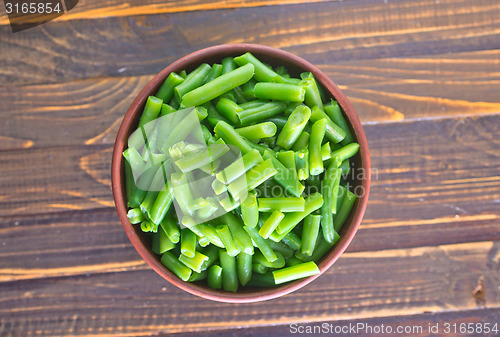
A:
(197, 57)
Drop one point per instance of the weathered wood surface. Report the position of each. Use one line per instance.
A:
(323, 33)
(418, 325)
(423, 76)
(387, 89)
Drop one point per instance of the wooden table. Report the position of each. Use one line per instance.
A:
(424, 77)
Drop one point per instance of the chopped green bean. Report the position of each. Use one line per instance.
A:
(215, 72)
(325, 151)
(258, 268)
(228, 65)
(317, 134)
(330, 183)
(261, 243)
(198, 276)
(344, 211)
(240, 236)
(292, 240)
(218, 86)
(171, 227)
(166, 90)
(151, 110)
(248, 88)
(294, 127)
(270, 224)
(279, 91)
(257, 131)
(302, 141)
(194, 79)
(135, 216)
(227, 240)
(230, 136)
(262, 280)
(188, 242)
(333, 132)
(260, 113)
(335, 114)
(310, 234)
(302, 164)
(250, 210)
(196, 160)
(259, 258)
(214, 280)
(161, 243)
(346, 152)
(254, 177)
(286, 177)
(296, 272)
(283, 204)
(175, 266)
(229, 109)
(229, 273)
(312, 95)
(244, 266)
(262, 72)
(196, 262)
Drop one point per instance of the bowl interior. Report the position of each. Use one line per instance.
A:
(359, 179)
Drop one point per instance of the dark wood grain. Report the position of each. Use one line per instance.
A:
(138, 302)
(387, 89)
(426, 323)
(323, 33)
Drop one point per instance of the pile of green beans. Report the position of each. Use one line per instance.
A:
(289, 196)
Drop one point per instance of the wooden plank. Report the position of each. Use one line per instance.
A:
(323, 33)
(138, 302)
(412, 177)
(422, 325)
(91, 9)
(90, 111)
(421, 195)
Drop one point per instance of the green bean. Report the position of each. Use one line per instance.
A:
(325, 151)
(182, 192)
(312, 96)
(248, 88)
(218, 187)
(319, 250)
(302, 163)
(229, 204)
(214, 116)
(310, 233)
(294, 127)
(229, 109)
(239, 167)
(287, 158)
(229, 95)
(261, 243)
(258, 268)
(135, 216)
(182, 129)
(194, 80)
(166, 90)
(252, 104)
(151, 110)
(129, 183)
(171, 227)
(330, 183)
(285, 177)
(183, 74)
(196, 160)
(262, 148)
(161, 243)
(335, 114)
(283, 204)
(230, 136)
(174, 102)
(175, 266)
(345, 167)
(148, 226)
(270, 224)
(257, 131)
(227, 240)
(166, 109)
(134, 159)
(229, 274)
(196, 262)
(250, 210)
(282, 248)
(202, 241)
(262, 280)
(344, 211)
(293, 261)
(333, 132)
(292, 273)
(218, 86)
(202, 113)
(346, 152)
(212, 252)
(292, 240)
(244, 266)
(317, 134)
(259, 258)
(203, 230)
(290, 107)
(188, 242)
(215, 72)
(228, 64)
(239, 95)
(198, 276)
(302, 141)
(279, 91)
(240, 236)
(148, 202)
(260, 113)
(214, 280)
(254, 177)
(262, 72)
(313, 202)
(291, 80)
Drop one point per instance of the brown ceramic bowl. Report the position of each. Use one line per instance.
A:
(295, 65)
